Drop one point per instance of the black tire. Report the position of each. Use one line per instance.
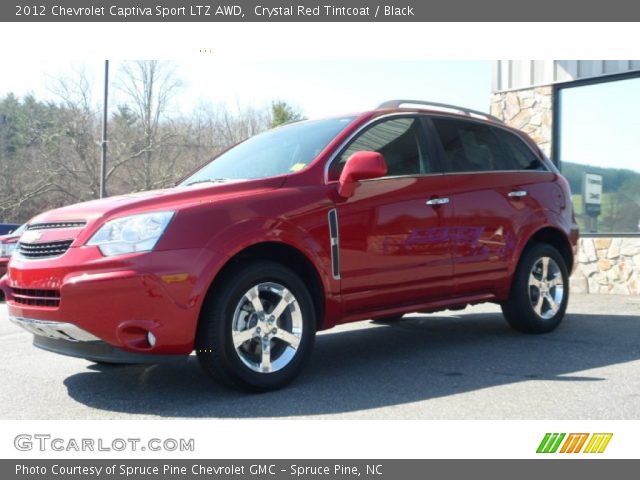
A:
(229, 307)
(538, 308)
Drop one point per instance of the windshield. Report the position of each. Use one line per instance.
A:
(276, 152)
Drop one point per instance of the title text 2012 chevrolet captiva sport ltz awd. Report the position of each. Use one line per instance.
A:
(313, 224)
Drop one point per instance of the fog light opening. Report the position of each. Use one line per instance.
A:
(151, 338)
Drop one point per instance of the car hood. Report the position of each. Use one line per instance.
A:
(156, 200)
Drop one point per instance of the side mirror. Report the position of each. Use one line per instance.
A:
(360, 166)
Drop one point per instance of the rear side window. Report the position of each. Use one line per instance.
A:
(475, 147)
(400, 141)
(521, 157)
(470, 146)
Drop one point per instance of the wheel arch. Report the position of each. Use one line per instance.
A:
(286, 255)
(548, 234)
(557, 239)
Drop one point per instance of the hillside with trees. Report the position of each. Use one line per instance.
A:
(50, 150)
(620, 196)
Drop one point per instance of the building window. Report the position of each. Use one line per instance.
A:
(598, 140)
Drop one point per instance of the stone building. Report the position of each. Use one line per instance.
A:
(528, 95)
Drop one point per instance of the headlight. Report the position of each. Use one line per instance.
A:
(136, 233)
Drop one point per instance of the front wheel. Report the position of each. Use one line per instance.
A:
(256, 332)
(540, 291)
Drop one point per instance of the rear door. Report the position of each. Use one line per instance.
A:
(491, 187)
(393, 239)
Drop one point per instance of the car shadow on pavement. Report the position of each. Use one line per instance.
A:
(413, 360)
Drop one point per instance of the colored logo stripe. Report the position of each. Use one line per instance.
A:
(550, 443)
(574, 443)
(597, 442)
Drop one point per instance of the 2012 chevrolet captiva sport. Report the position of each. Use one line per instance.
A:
(411, 207)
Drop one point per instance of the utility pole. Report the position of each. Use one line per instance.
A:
(103, 159)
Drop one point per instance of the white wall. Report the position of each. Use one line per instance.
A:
(516, 74)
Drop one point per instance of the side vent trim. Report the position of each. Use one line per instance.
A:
(334, 237)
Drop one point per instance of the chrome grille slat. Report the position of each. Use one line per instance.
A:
(43, 250)
(50, 225)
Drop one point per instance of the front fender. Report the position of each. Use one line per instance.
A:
(233, 240)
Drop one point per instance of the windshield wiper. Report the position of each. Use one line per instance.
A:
(210, 180)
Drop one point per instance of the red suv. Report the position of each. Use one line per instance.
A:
(309, 225)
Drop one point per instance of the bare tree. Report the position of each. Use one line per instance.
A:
(77, 168)
(148, 86)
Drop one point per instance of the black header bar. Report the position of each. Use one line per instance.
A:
(319, 11)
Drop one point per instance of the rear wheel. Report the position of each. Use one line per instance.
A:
(540, 291)
(258, 329)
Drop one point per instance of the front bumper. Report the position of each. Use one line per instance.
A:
(84, 296)
(68, 339)
(57, 330)
(99, 351)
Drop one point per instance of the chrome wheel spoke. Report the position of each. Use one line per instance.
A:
(556, 281)
(265, 361)
(286, 298)
(534, 282)
(242, 336)
(538, 305)
(289, 338)
(545, 268)
(553, 306)
(253, 296)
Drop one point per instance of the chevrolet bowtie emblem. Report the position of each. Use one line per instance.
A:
(31, 236)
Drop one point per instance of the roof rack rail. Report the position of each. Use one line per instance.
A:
(467, 111)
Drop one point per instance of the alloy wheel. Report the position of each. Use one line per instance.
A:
(546, 287)
(267, 327)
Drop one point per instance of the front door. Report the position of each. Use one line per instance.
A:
(394, 237)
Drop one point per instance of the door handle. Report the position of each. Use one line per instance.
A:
(438, 201)
(517, 194)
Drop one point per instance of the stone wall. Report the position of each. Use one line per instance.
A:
(529, 110)
(607, 265)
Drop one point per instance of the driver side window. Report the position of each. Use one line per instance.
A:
(399, 140)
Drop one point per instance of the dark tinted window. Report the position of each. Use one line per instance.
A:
(400, 141)
(470, 146)
(520, 156)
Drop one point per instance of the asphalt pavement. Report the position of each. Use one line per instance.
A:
(449, 365)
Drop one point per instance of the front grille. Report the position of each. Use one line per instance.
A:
(50, 225)
(38, 298)
(43, 250)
